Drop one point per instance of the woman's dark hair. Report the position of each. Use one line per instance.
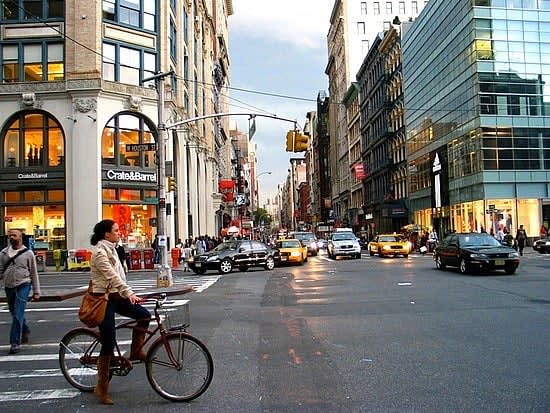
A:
(100, 229)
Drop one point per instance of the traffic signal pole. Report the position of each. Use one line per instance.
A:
(164, 275)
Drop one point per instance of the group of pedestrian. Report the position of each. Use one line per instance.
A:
(195, 246)
(506, 238)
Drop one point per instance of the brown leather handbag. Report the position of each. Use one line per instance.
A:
(92, 307)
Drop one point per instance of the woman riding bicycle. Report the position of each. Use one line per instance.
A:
(107, 274)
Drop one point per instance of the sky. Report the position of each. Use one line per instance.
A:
(277, 47)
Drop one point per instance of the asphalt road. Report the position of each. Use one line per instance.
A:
(369, 335)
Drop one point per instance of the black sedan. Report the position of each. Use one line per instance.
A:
(542, 245)
(241, 254)
(475, 251)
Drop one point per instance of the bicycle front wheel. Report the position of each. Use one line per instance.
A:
(78, 353)
(189, 377)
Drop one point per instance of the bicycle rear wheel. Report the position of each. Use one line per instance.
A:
(78, 353)
(190, 378)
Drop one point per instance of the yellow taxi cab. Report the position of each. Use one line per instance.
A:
(389, 244)
(291, 251)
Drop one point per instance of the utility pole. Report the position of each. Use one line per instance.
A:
(164, 276)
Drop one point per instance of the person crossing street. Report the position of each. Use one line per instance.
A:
(19, 271)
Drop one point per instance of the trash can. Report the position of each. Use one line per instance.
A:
(148, 257)
(175, 254)
(135, 260)
(41, 261)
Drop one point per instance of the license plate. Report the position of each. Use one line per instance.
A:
(198, 264)
(499, 262)
(283, 258)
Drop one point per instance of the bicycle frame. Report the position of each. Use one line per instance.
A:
(133, 325)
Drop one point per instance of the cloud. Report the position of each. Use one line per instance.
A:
(302, 23)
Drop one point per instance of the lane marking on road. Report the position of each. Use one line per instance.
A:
(30, 373)
(402, 284)
(38, 395)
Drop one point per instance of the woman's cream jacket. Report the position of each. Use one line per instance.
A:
(104, 271)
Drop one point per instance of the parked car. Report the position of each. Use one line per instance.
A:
(389, 244)
(241, 254)
(308, 239)
(542, 245)
(291, 251)
(343, 243)
(475, 251)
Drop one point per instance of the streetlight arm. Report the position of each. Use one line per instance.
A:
(216, 115)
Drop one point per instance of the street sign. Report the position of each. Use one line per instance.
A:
(162, 202)
(140, 147)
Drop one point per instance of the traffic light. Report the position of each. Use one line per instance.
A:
(301, 142)
(290, 141)
(171, 187)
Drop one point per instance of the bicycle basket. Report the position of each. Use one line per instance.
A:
(176, 317)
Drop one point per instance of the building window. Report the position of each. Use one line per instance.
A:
(389, 9)
(136, 13)
(124, 129)
(33, 139)
(361, 28)
(25, 10)
(376, 6)
(173, 41)
(414, 7)
(364, 46)
(363, 8)
(32, 62)
(127, 65)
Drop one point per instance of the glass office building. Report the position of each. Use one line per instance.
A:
(478, 115)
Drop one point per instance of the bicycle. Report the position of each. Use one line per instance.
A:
(179, 366)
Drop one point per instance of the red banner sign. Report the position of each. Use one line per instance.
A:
(359, 170)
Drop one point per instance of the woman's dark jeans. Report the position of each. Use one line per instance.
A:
(107, 330)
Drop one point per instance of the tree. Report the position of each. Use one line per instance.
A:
(262, 217)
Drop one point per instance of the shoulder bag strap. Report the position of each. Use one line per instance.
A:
(12, 259)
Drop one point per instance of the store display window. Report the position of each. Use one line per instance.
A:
(127, 129)
(33, 139)
(136, 222)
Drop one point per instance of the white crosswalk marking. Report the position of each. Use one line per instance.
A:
(46, 379)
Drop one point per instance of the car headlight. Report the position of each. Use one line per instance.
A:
(513, 255)
(478, 256)
(191, 259)
(213, 258)
(295, 254)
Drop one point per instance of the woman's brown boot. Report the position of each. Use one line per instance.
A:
(136, 349)
(138, 338)
(102, 388)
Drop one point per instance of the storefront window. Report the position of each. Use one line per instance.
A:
(122, 130)
(30, 139)
(135, 223)
(46, 223)
(529, 216)
(33, 196)
(109, 194)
